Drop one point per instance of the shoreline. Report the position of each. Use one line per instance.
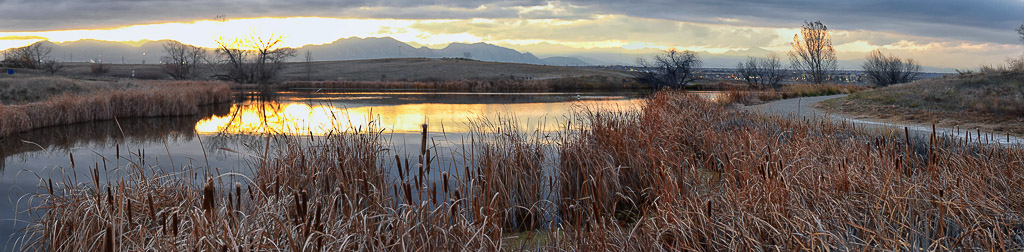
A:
(806, 107)
(177, 98)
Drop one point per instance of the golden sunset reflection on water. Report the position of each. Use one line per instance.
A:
(320, 118)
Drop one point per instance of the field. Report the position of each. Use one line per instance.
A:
(581, 83)
(991, 100)
(427, 69)
(34, 88)
(682, 173)
(403, 69)
(403, 73)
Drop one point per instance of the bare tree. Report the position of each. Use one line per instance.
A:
(762, 73)
(309, 65)
(1020, 31)
(52, 66)
(30, 56)
(98, 68)
(182, 61)
(674, 69)
(884, 70)
(812, 52)
(255, 59)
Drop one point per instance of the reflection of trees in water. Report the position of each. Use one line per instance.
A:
(266, 103)
(126, 132)
(399, 98)
(261, 115)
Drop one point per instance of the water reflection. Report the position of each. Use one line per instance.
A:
(103, 134)
(319, 114)
(231, 133)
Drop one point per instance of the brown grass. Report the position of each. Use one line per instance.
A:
(155, 99)
(992, 100)
(34, 88)
(750, 97)
(680, 174)
(431, 69)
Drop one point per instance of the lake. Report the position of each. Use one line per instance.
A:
(225, 137)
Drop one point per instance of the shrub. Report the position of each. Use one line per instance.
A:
(98, 69)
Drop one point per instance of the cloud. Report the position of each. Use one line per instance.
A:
(983, 20)
(22, 38)
(624, 29)
(913, 28)
(979, 21)
(33, 15)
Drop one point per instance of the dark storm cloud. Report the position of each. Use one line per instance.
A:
(36, 15)
(978, 20)
(982, 21)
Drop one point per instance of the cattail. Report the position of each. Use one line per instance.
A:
(110, 200)
(427, 158)
(129, 206)
(152, 209)
(408, 193)
(433, 193)
(421, 168)
(208, 193)
(398, 162)
(108, 240)
(96, 179)
(444, 176)
(301, 205)
(174, 224)
(423, 143)
(238, 196)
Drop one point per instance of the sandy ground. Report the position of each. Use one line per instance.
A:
(804, 108)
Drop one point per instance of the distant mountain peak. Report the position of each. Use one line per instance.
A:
(352, 48)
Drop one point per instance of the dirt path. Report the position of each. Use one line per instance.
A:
(804, 108)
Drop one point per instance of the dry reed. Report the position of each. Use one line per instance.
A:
(679, 174)
(156, 99)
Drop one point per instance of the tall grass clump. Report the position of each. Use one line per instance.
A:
(748, 182)
(681, 173)
(157, 99)
(513, 187)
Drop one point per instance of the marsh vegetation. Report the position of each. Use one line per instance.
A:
(680, 173)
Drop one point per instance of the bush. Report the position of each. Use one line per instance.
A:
(884, 70)
(98, 69)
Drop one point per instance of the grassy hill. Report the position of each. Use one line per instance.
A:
(400, 69)
(989, 100)
(431, 69)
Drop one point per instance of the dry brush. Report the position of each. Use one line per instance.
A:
(679, 174)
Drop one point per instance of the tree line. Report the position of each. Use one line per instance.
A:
(812, 57)
(252, 59)
(258, 59)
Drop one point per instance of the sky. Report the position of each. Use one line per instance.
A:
(940, 33)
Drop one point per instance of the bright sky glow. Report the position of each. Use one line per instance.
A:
(543, 36)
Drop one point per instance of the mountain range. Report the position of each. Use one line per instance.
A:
(355, 48)
(342, 49)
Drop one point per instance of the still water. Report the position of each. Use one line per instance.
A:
(223, 137)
